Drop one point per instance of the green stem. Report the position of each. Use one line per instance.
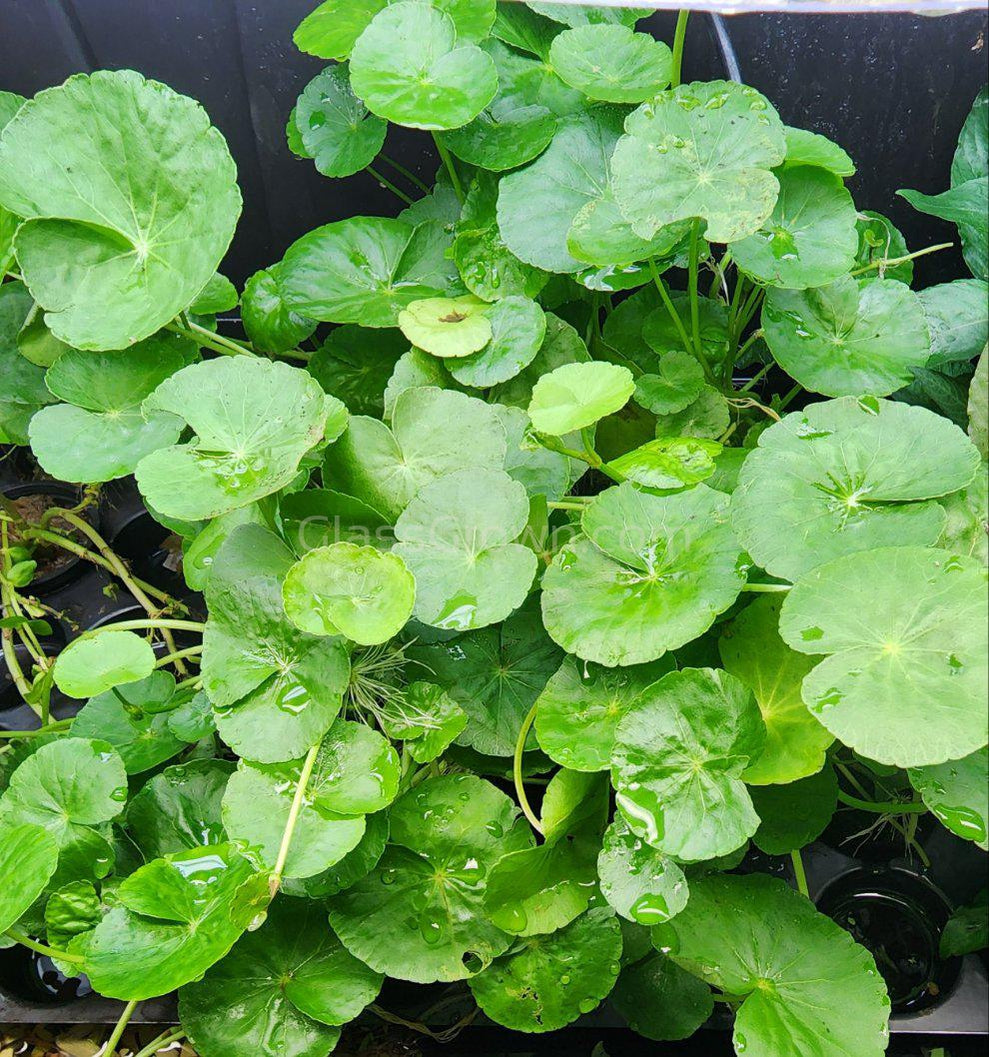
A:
(293, 817)
(6, 634)
(450, 168)
(179, 655)
(386, 183)
(750, 340)
(889, 807)
(50, 728)
(144, 625)
(800, 873)
(679, 38)
(208, 340)
(110, 1046)
(695, 310)
(160, 1042)
(402, 171)
(572, 504)
(791, 396)
(517, 771)
(890, 262)
(767, 589)
(592, 458)
(677, 321)
(41, 948)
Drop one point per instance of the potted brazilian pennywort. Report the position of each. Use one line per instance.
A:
(615, 505)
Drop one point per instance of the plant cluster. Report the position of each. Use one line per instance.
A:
(632, 510)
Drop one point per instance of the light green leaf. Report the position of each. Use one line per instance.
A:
(410, 67)
(660, 1000)
(668, 463)
(752, 650)
(844, 476)
(848, 338)
(707, 417)
(28, 857)
(282, 989)
(679, 755)
(179, 808)
(72, 911)
(880, 241)
(366, 269)
(581, 705)
(642, 884)
(956, 792)
(253, 419)
(134, 720)
(905, 632)
(217, 296)
(343, 589)
(541, 472)
(427, 719)
(967, 930)
(419, 914)
(351, 868)
(134, 213)
(700, 150)
(102, 660)
(269, 322)
(809, 239)
(176, 917)
(100, 432)
(794, 815)
(447, 326)
(562, 345)
(276, 690)
(550, 981)
(577, 395)
(652, 575)
(331, 30)
(958, 319)
(494, 674)
(811, 148)
(585, 15)
(335, 127)
(518, 329)
(811, 991)
(967, 528)
(433, 432)
(612, 63)
(978, 405)
(354, 364)
(22, 384)
(457, 537)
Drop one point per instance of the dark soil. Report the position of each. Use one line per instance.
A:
(51, 559)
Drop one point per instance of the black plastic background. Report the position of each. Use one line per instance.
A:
(893, 89)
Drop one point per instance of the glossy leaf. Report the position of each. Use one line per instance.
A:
(642, 884)
(447, 327)
(577, 395)
(660, 1000)
(335, 127)
(102, 660)
(794, 815)
(269, 322)
(811, 148)
(956, 793)
(28, 857)
(611, 63)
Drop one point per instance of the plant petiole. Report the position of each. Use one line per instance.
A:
(110, 1046)
(517, 771)
(179, 655)
(890, 262)
(208, 340)
(42, 948)
(402, 171)
(799, 872)
(50, 728)
(451, 169)
(160, 1042)
(767, 589)
(389, 186)
(688, 345)
(679, 38)
(293, 817)
(889, 807)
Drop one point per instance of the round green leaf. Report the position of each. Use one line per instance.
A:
(700, 150)
(433, 432)
(134, 720)
(811, 148)
(175, 918)
(351, 868)
(269, 322)
(752, 650)
(447, 326)
(366, 269)
(282, 989)
(956, 792)
(275, 689)
(518, 328)
(457, 536)
(809, 239)
(427, 720)
(419, 914)
(905, 632)
(679, 755)
(254, 419)
(642, 884)
(978, 405)
(179, 808)
(100, 433)
(652, 575)
(706, 418)
(844, 476)
(581, 705)
(494, 674)
(344, 589)
(71, 788)
(121, 234)
(354, 364)
(660, 1000)
(577, 395)
(848, 338)
(562, 345)
(538, 204)
(612, 63)
(330, 31)
(792, 816)
(335, 126)
(94, 663)
(551, 980)
(28, 857)
(22, 384)
(409, 67)
(668, 462)
(675, 386)
(811, 991)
